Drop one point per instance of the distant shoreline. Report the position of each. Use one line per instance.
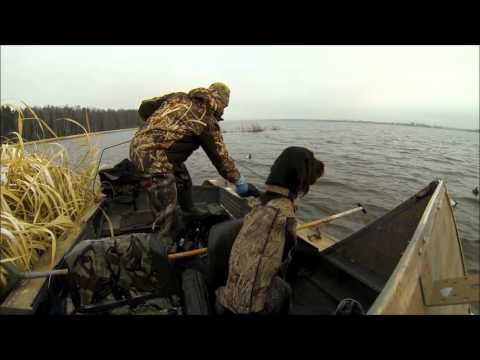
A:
(411, 124)
(62, 138)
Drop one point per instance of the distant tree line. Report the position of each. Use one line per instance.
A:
(54, 117)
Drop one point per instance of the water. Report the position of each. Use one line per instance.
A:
(376, 165)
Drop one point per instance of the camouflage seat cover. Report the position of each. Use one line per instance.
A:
(256, 257)
(109, 270)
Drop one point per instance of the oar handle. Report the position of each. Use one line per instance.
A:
(40, 274)
(14, 273)
(200, 251)
(189, 253)
(331, 218)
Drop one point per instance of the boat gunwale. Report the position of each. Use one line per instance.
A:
(24, 297)
(408, 261)
(464, 265)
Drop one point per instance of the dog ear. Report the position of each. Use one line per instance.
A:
(320, 169)
(311, 171)
(303, 170)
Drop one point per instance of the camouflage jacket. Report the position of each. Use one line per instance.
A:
(256, 256)
(176, 125)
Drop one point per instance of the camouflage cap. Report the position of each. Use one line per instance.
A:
(221, 91)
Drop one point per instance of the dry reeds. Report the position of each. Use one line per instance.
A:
(43, 193)
(252, 127)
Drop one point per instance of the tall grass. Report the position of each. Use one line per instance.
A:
(43, 194)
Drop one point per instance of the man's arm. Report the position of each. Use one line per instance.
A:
(212, 143)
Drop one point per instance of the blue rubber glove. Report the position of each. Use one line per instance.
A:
(241, 187)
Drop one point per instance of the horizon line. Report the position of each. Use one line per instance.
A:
(365, 121)
(407, 123)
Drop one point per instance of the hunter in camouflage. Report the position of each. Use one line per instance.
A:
(176, 125)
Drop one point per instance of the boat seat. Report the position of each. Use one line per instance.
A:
(195, 293)
(198, 291)
(220, 242)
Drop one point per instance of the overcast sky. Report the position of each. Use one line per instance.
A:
(431, 84)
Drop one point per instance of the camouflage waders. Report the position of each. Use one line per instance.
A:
(162, 195)
(166, 190)
(184, 187)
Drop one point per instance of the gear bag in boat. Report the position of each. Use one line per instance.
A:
(112, 272)
(122, 173)
(122, 182)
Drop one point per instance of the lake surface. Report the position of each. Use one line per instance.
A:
(376, 165)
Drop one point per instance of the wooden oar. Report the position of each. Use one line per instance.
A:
(332, 217)
(15, 274)
(18, 275)
(184, 254)
(189, 253)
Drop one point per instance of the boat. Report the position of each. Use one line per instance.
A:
(408, 261)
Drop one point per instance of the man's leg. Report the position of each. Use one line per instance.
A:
(184, 192)
(184, 187)
(163, 200)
